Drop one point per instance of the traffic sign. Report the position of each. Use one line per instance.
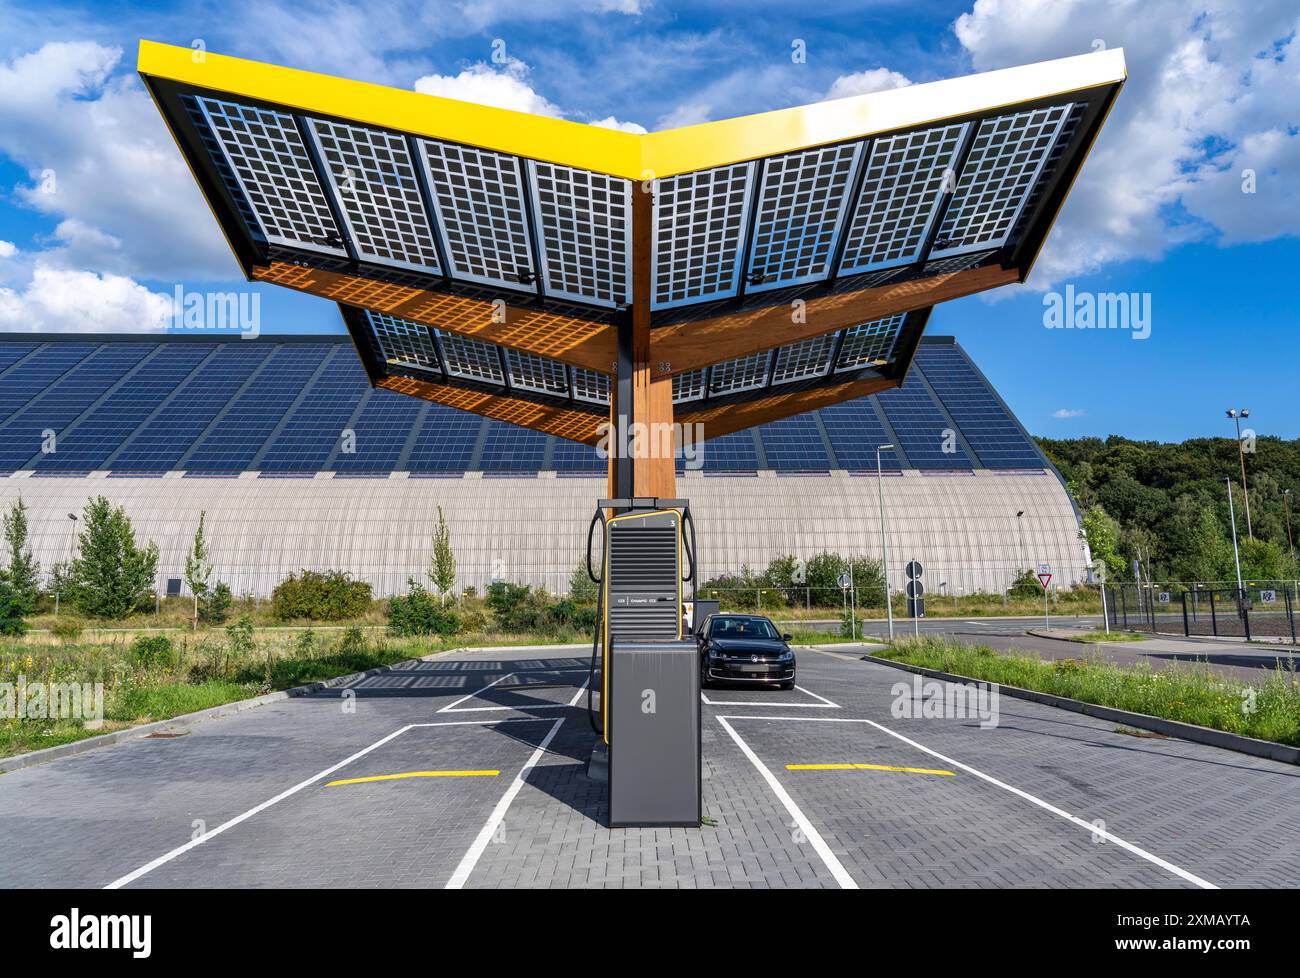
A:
(845, 581)
(1044, 569)
(1045, 579)
(914, 589)
(913, 570)
(1268, 597)
(1163, 597)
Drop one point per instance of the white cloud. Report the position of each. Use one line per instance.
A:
(1068, 413)
(482, 84)
(609, 122)
(59, 299)
(1212, 90)
(8, 249)
(100, 161)
(866, 82)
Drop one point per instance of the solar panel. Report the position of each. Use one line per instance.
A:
(584, 226)
(404, 343)
(509, 448)
(729, 453)
(446, 441)
(805, 359)
(1004, 162)
(794, 444)
(741, 374)
(869, 343)
(689, 386)
(921, 428)
(591, 386)
(800, 210)
(269, 160)
(989, 430)
(45, 367)
(699, 229)
(479, 198)
(98, 434)
(315, 428)
(901, 189)
(375, 183)
(469, 358)
(855, 432)
(542, 375)
(382, 429)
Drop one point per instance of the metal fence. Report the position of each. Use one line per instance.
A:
(1257, 611)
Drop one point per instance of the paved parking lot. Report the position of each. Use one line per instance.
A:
(470, 770)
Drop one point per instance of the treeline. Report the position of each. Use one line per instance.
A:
(1166, 504)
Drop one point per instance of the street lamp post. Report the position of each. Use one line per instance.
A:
(1236, 416)
(1020, 531)
(884, 545)
(71, 543)
(1290, 544)
(1236, 554)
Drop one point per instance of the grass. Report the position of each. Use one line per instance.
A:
(1268, 709)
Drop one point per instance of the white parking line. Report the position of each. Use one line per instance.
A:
(1047, 806)
(832, 861)
(825, 704)
(451, 707)
(167, 857)
(471, 857)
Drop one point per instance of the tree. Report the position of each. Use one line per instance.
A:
(582, 589)
(11, 613)
(1100, 531)
(443, 570)
(111, 576)
(198, 568)
(23, 572)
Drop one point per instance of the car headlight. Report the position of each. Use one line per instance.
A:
(787, 656)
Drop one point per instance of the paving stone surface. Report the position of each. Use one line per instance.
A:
(1172, 812)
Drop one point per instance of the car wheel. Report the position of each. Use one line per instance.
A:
(704, 675)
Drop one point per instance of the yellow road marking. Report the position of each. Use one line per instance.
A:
(418, 774)
(866, 767)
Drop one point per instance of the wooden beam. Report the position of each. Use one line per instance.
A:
(703, 342)
(723, 419)
(564, 422)
(569, 339)
(654, 473)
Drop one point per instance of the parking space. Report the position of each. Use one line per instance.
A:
(470, 770)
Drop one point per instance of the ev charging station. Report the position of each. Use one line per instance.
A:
(649, 677)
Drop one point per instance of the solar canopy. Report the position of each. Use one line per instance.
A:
(769, 265)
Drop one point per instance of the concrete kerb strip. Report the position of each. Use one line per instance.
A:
(1169, 728)
(1237, 643)
(185, 720)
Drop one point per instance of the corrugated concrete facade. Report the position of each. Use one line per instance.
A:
(962, 526)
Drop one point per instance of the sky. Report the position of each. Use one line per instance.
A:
(1189, 202)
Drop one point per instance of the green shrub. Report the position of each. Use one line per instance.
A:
(503, 597)
(320, 596)
(240, 634)
(12, 608)
(353, 640)
(419, 613)
(66, 629)
(215, 608)
(473, 620)
(153, 651)
(1025, 585)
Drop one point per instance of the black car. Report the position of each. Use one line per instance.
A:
(744, 649)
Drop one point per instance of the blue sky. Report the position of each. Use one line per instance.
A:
(99, 219)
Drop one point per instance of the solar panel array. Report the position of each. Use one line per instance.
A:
(295, 407)
(490, 218)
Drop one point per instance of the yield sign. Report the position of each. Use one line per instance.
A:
(1045, 579)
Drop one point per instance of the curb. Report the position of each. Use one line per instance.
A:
(186, 720)
(1280, 646)
(1170, 728)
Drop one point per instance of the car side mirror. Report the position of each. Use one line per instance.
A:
(787, 638)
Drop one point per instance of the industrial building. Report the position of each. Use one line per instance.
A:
(299, 463)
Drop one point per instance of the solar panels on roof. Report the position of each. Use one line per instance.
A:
(801, 206)
(906, 176)
(270, 162)
(375, 183)
(699, 230)
(1004, 162)
(585, 228)
(479, 198)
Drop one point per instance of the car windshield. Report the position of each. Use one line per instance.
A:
(742, 628)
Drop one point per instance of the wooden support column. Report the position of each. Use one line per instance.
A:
(642, 394)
